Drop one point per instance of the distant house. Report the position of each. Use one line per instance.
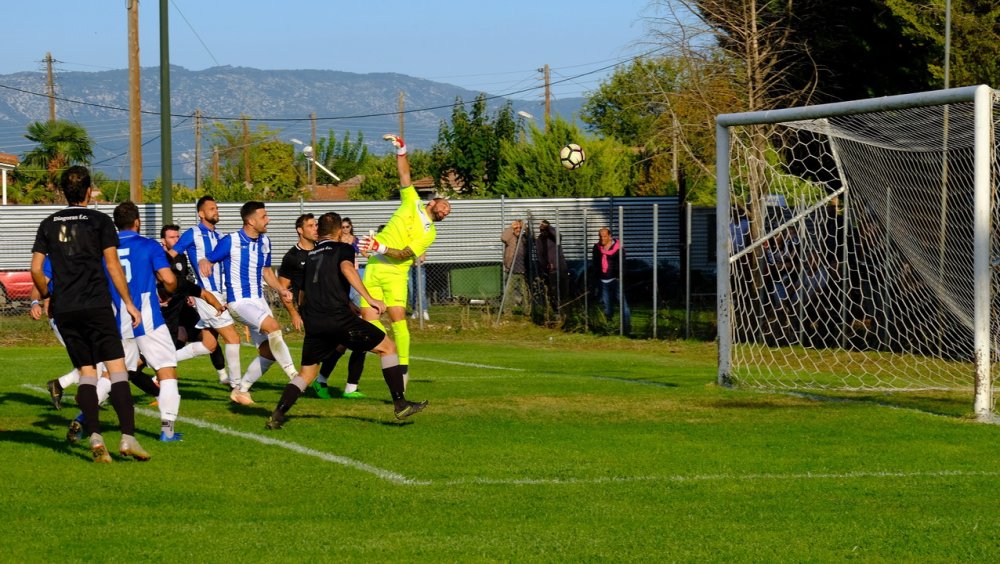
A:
(341, 192)
(8, 163)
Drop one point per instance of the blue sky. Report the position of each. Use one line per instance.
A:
(495, 47)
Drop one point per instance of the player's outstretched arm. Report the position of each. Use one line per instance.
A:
(402, 162)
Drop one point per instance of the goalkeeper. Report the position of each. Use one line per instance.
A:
(407, 235)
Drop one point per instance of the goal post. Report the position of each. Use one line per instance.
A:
(855, 245)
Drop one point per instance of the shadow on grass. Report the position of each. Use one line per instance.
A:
(27, 399)
(44, 440)
(384, 422)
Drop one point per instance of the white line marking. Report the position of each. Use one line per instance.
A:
(720, 477)
(472, 364)
(397, 478)
(294, 447)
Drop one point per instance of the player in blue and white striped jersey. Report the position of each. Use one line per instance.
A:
(245, 255)
(145, 261)
(196, 242)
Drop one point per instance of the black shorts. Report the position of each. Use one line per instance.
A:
(323, 336)
(91, 335)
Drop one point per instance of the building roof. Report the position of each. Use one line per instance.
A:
(8, 159)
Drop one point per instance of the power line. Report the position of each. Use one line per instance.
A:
(335, 118)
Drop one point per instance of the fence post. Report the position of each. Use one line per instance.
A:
(621, 271)
(656, 264)
(586, 272)
(687, 270)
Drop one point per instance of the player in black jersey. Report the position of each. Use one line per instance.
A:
(331, 319)
(80, 242)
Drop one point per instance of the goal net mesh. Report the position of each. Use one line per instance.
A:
(851, 251)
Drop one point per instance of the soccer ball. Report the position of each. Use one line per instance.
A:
(571, 156)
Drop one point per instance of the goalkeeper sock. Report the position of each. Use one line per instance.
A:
(401, 334)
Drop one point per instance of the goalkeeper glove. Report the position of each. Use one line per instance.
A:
(371, 245)
(397, 142)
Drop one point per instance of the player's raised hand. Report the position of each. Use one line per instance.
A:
(397, 142)
(369, 244)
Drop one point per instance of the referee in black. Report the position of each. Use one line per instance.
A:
(76, 239)
(331, 319)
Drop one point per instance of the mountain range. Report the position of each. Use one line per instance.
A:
(281, 100)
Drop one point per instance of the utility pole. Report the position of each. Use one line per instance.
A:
(215, 165)
(166, 152)
(52, 87)
(312, 164)
(548, 97)
(134, 106)
(401, 119)
(246, 151)
(197, 149)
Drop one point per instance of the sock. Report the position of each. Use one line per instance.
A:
(393, 376)
(290, 395)
(223, 376)
(121, 400)
(70, 378)
(233, 363)
(103, 389)
(218, 358)
(169, 403)
(329, 364)
(144, 382)
(86, 398)
(256, 369)
(281, 353)
(401, 334)
(355, 366)
(192, 350)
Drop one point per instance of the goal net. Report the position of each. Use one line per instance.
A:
(856, 245)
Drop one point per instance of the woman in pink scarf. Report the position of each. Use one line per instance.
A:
(606, 256)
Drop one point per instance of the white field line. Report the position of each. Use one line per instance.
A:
(382, 473)
(801, 476)
(469, 364)
(397, 478)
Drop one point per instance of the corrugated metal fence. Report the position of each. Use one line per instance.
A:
(470, 238)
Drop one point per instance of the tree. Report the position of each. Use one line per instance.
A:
(345, 159)
(256, 159)
(975, 39)
(382, 178)
(469, 147)
(61, 144)
(533, 170)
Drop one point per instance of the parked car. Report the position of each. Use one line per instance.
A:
(15, 286)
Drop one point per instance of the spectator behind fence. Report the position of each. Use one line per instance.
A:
(553, 271)
(515, 261)
(606, 255)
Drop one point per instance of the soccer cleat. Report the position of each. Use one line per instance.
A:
(354, 395)
(75, 431)
(55, 393)
(178, 437)
(98, 449)
(321, 391)
(241, 397)
(275, 421)
(131, 447)
(409, 408)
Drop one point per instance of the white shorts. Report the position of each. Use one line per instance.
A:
(252, 312)
(52, 324)
(131, 354)
(158, 348)
(210, 318)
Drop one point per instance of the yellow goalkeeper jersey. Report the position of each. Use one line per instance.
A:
(409, 226)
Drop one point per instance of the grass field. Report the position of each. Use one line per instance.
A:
(536, 446)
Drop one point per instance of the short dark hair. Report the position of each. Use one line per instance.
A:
(165, 228)
(75, 181)
(328, 224)
(301, 221)
(249, 209)
(346, 219)
(126, 214)
(202, 200)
